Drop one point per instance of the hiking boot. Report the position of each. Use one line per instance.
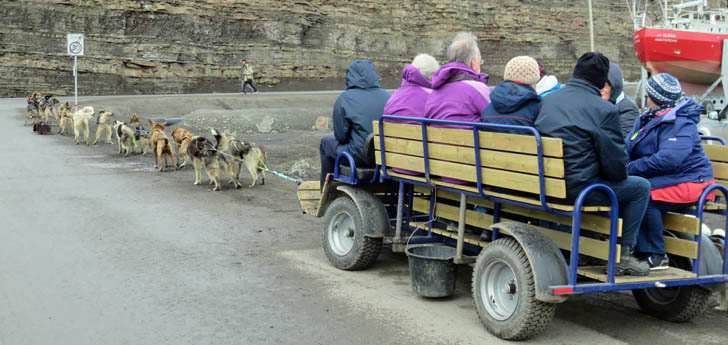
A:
(657, 262)
(629, 265)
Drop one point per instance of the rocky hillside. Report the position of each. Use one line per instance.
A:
(175, 46)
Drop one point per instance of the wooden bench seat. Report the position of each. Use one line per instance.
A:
(510, 161)
(507, 161)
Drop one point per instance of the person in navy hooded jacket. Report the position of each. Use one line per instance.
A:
(515, 101)
(354, 110)
(664, 147)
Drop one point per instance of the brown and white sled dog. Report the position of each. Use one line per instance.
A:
(182, 139)
(204, 154)
(80, 123)
(33, 110)
(228, 152)
(65, 118)
(161, 147)
(124, 135)
(251, 154)
(102, 126)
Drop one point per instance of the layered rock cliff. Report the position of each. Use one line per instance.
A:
(174, 46)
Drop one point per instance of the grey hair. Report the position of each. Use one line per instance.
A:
(464, 48)
(426, 64)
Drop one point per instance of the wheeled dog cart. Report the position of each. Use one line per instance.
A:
(528, 253)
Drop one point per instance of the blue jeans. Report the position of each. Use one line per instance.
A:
(651, 238)
(633, 195)
(249, 82)
(327, 149)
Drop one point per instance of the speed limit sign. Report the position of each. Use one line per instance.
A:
(74, 44)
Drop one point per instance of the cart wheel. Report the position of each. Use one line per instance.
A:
(504, 292)
(344, 242)
(676, 304)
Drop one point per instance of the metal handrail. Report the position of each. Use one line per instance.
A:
(576, 230)
(352, 167)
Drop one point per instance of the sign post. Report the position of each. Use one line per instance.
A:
(74, 47)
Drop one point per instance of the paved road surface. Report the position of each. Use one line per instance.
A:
(99, 249)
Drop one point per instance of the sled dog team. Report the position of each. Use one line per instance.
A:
(223, 154)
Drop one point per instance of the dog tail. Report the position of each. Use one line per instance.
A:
(216, 134)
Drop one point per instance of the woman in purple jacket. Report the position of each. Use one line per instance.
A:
(409, 100)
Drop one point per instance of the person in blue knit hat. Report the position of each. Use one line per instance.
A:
(664, 147)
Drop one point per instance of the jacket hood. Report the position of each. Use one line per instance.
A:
(412, 76)
(616, 81)
(442, 75)
(510, 96)
(546, 83)
(361, 74)
(688, 108)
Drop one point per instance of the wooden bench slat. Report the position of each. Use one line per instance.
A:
(525, 200)
(723, 182)
(587, 246)
(720, 170)
(680, 247)
(468, 238)
(526, 163)
(598, 273)
(716, 153)
(488, 140)
(681, 222)
(492, 177)
(592, 222)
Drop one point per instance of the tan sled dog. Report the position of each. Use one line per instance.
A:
(142, 136)
(134, 121)
(182, 139)
(102, 126)
(251, 154)
(161, 147)
(65, 118)
(80, 123)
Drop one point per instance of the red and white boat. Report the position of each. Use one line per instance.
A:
(686, 41)
(691, 56)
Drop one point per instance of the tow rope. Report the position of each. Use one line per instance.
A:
(262, 166)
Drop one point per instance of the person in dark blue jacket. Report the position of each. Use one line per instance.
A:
(589, 129)
(354, 110)
(515, 101)
(664, 146)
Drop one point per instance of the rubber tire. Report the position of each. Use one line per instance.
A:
(690, 302)
(365, 250)
(531, 315)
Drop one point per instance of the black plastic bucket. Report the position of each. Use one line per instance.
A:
(432, 270)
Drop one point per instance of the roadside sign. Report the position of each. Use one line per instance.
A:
(74, 44)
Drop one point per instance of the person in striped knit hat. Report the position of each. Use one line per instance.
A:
(664, 147)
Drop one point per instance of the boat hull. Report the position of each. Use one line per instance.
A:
(692, 57)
